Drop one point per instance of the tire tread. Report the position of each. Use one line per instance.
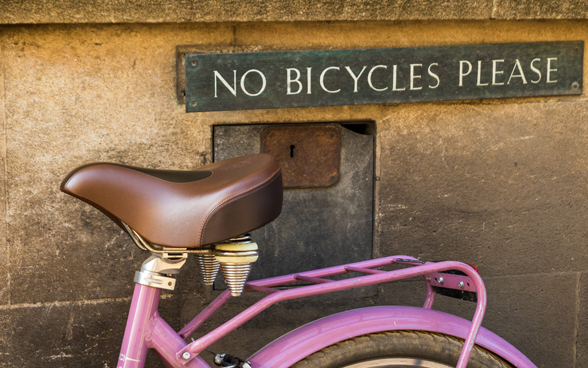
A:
(378, 344)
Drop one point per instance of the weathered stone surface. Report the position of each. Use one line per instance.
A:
(581, 328)
(502, 188)
(71, 335)
(78, 100)
(141, 11)
(536, 314)
(4, 257)
(540, 9)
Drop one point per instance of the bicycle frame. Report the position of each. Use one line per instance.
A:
(147, 330)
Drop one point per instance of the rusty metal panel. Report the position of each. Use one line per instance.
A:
(309, 155)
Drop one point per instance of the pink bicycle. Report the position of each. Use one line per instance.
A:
(206, 212)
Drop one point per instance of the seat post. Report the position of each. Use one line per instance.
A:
(155, 274)
(144, 307)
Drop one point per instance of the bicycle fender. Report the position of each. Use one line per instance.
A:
(310, 338)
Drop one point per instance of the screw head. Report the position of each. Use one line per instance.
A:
(461, 285)
(193, 103)
(186, 355)
(441, 280)
(575, 85)
(194, 62)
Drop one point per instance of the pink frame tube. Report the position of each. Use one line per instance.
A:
(205, 314)
(147, 330)
(143, 307)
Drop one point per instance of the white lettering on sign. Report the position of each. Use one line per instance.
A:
(394, 77)
(496, 72)
(549, 70)
(479, 82)
(232, 89)
(461, 72)
(413, 76)
(537, 71)
(263, 82)
(434, 76)
(369, 78)
(290, 80)
(501, 72)
(520, 75)
(322, 79)
(517, 73)
(355, 77)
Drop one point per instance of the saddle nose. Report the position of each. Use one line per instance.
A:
(184, 209)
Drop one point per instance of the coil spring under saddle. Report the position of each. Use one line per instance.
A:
(234, 258)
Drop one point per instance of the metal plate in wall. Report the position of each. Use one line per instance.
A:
(318, 227)
(308, 155)
(270, 80)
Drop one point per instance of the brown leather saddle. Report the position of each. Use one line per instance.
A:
(184, 209)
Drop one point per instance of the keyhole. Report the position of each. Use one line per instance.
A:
(292, 150)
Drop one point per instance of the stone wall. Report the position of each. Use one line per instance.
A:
(498, 183)
(186, 11)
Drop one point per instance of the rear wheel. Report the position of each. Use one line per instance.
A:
(399, 349)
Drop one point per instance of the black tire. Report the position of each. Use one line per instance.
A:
(399, 349)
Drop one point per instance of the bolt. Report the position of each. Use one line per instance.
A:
(441, 280)
(186, 355)
(219, 358)
(461, 285)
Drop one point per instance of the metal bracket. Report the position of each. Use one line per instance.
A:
(157, 249)
(156, 271)
(155, 280)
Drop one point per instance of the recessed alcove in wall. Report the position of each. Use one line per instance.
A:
(322, 224)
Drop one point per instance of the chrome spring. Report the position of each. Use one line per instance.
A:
(235, 257)
(245, 238)
(208, 267)
(236, 275)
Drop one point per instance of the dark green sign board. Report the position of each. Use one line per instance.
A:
(269, 80)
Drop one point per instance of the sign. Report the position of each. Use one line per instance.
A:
(269, 80)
